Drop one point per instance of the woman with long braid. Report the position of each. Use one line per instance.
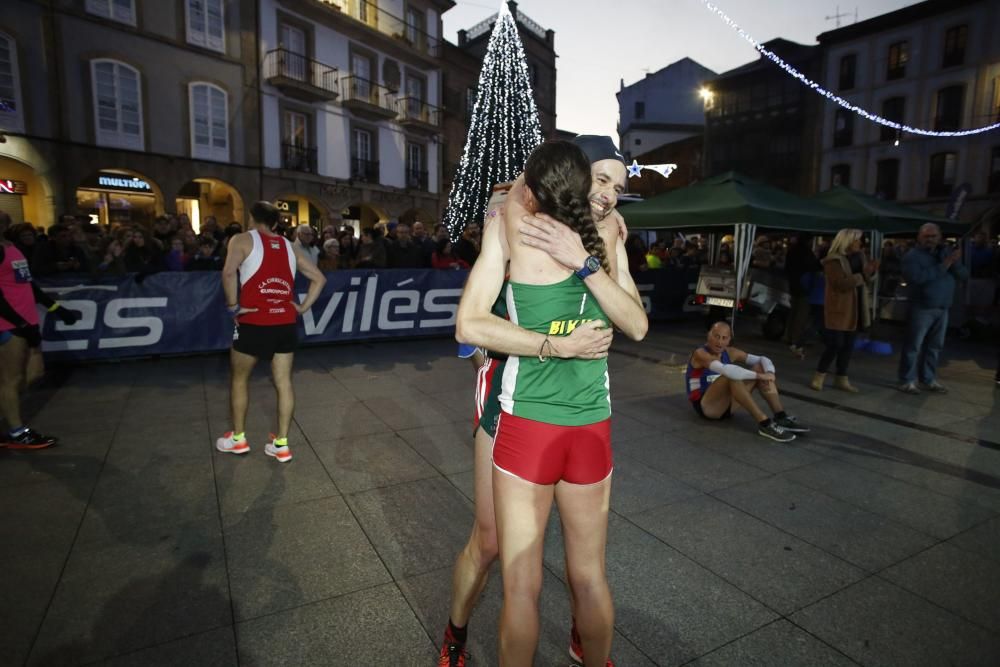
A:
(553, 438)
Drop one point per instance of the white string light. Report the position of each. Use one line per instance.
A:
(664, 170)
(503, 131)
(836, 98)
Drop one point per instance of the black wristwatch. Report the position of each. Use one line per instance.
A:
(590, 265)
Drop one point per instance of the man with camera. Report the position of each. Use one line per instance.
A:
(931, 270)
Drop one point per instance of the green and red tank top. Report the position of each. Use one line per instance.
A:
(565, 392)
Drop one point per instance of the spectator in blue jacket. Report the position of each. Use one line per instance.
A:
(932, 271)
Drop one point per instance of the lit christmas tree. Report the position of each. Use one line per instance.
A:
(503, 131)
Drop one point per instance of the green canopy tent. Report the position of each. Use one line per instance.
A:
(884, 216)
(732, 199)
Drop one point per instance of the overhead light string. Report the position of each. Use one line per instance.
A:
(805, 80)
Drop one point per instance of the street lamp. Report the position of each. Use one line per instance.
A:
(707, 96)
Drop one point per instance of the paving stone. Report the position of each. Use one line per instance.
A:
(691, 464)
(779, 643)
(252, 481)
(666, 604)
(636, 488)
(156, 494)
(877, 623)
(429, 596)
(216, 648)
(867, 540)
(960, 581)
(286, 556)
(983, 539)
(75, 462)
(371, 461)
(416, 526)
(119, 596)
(928, 512)
(448, 447)
(28, 577)
(339, 632)
(354, 420)
(774, 567)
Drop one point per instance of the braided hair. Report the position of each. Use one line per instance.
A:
(558, 174)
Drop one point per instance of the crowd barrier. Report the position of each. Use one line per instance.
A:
(183, 313)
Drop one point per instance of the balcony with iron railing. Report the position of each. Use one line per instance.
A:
(364, 170)
(419, 115)
(371, 15)
(367, 98)
(298, 158)
(416, 179)
(299, 76)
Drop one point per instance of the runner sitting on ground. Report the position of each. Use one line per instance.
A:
(715, 382)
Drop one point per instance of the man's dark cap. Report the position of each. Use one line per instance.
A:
(597, 148)
(265, 213)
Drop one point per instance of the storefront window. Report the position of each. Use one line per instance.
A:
(111, 198)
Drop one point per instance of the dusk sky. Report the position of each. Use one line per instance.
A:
(601, 42)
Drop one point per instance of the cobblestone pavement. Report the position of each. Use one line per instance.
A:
(875, 540)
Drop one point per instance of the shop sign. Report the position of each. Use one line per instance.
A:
(118, 182)
(289, 207)
(11, 187)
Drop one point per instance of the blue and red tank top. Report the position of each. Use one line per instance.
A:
(699, 379)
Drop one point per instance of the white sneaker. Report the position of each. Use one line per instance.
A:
(283, 453)
(228, 445)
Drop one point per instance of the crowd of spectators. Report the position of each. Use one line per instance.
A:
(680, 253)
(75, 245)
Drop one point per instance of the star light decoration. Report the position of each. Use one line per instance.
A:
(503, 131)
(875, 118)
(664, 170)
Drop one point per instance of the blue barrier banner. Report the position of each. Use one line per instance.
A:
(176, 313)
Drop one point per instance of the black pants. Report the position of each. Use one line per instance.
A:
(839, 346)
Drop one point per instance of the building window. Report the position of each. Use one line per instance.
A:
(840, 176)
(416, 22)
(949, 108)
(640, 110)
(363, 166)
(122, 11)
(954, 45)
(470, 102)
(995, 106)
(843, 128)
(206, 24)
(887, 179)
(533, 74)
(638, 141)
(892, 109)
(899, 55)
(117, 91)
(848, 71)
(209, 122)
(942, 177)
(11, 115)
(994, 184)
(297, 152)
(416, 168)
(294, 47)
(361, 71)
(416, 106)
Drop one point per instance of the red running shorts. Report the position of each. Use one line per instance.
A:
(543, 453)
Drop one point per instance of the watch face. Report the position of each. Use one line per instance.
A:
(592, 263)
